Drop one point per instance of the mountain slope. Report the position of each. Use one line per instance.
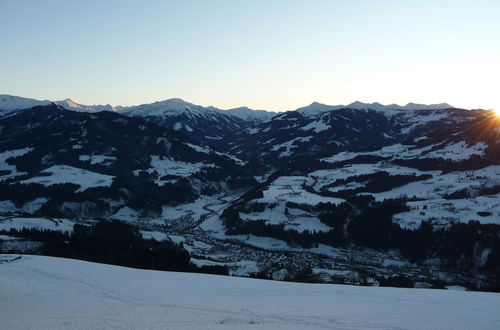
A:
(204, 124)
(9, 103)
(291, 138)
(72, 105)
(250, 114)
(97, 164)
(424, 186)
(77, 294)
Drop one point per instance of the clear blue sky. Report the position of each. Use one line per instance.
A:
(275, 55)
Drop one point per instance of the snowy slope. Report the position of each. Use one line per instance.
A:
(10, 103)
(48, 148)
(170, 107)
(59, 174)
(291, 136)
(204, 124)
(177, 106)
(53, 293)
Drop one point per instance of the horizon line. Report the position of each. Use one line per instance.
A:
(241, 106)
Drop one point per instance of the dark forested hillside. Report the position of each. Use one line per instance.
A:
(96, 164)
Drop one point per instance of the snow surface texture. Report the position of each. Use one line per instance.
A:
(52, 293)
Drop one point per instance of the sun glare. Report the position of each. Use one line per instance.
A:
(496, 111)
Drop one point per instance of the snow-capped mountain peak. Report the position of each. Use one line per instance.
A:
(177, 103)
(169, 107)
(177, 106)
(9, 103)
(316, 108)
(72, 105)
(250, 114)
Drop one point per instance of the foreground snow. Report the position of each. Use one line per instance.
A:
(49, 293)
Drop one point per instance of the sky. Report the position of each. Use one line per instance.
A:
(273, 55)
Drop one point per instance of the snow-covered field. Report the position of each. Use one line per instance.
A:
(168, 166)
(441, 211)
(12, 169)
(39, 292)
(98, 159)
(69, 174)
(64, 225)
(431, 191)
(289, 189)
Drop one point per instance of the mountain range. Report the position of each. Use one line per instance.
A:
(363, 194)
(175, 106)
(212, 124)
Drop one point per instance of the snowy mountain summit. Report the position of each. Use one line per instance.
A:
(250, 114)
(170, 107)
(72, 105)
(10, 103)
(211, 123)
(177, 106)
(205, 124)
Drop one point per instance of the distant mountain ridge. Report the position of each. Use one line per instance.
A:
(177, 105)
(208, 125)
(10, 103)
(316, 108)
(205, 124)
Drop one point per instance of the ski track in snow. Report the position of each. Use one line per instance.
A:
(52, 293)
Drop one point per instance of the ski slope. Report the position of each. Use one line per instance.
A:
(40, 292)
